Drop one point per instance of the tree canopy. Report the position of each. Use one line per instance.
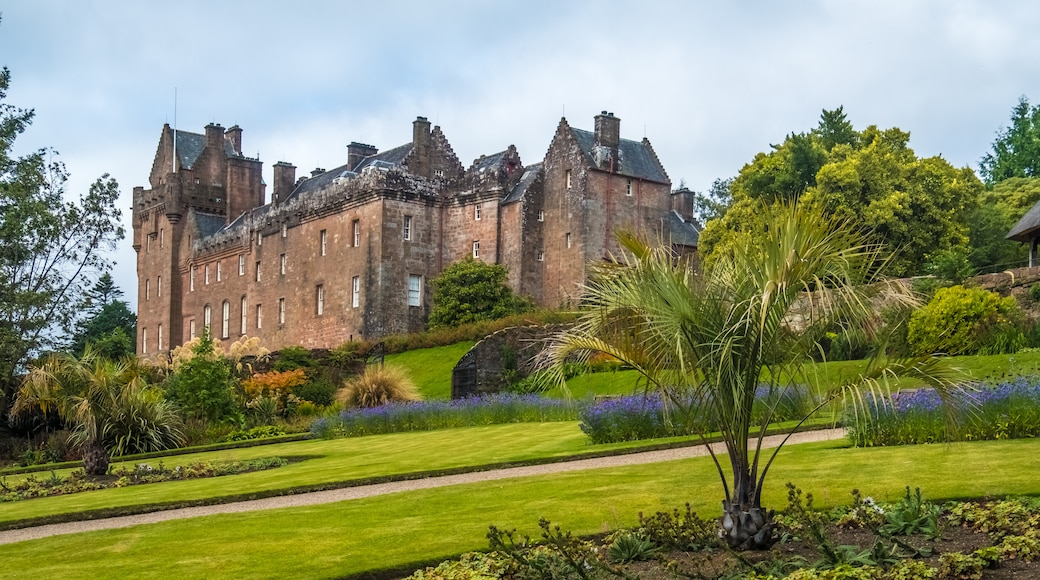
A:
(50, 244)
(470, 290)
(872, 178)
(1016, 150)
(107, 322)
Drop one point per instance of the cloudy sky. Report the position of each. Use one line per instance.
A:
(710, 83)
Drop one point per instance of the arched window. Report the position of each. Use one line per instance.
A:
(225, 319)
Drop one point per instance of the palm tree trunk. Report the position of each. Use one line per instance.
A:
(95, 459)
(744, 525)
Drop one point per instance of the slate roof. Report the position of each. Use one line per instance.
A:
(390, 157)
(530, 174)
(682, 232)
(209, 224)
(1028, 227)
(190, 146)
(489, 161)
(635, 158)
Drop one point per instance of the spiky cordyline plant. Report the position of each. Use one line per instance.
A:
(108, 404)
(712, 338)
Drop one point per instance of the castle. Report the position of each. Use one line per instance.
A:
(347, 253)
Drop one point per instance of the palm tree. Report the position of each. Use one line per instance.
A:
(706, 341)
(108, 404)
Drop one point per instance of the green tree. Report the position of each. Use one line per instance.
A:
(204, 384)
(1016, 151)
(999, 209)
(715, 202)
(705, 341)
(470, 290)
(107, 322)
(871, 178)
(109, 405)
(50, 245)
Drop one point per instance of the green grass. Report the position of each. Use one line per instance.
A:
(430, 368)
(402, 529)
(996, 367)
(330, 462)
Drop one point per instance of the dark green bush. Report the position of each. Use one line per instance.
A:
(320, 391)
(203, 386)
(293, 357)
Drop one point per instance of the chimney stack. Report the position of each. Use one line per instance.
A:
(608, 130)
(682, 203)
(215, 136)
(284, 180)
(421, 146)
(234, 135)
(357, 152)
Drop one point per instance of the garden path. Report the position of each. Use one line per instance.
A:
(349, 493)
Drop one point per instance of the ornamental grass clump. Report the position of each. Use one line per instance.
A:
(1009, 410)
(378, 386)
(429, 415)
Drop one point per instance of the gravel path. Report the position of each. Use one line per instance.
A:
(348, 493)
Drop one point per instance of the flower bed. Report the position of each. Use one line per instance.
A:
(429, 415)
(1008, 410)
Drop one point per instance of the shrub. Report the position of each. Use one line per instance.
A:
(292, 358)
(320, 391)
(470, 290)
(961, 320)
(203, 383)
(378, 386)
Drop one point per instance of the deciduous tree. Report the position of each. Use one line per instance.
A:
(470, 290)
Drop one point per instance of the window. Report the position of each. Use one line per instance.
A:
(218, 271)
(207, 314)
(476, 249)
(285, 230)
(414, 290)
(147, 288)
(259, 238)
(567, 175)
(281, 311)
(159, 337)
(158, 286)
(541, 216)
(144, 341)
(162, 239)
(628, 187)
(242, 327)
(191, 279)
(407, 227)
(147, 248)
(225, 320)
(476, 212)
(259, 316)
(357, 232)
(191, 329)
(568, 238)
(242, 265)
(206, 277)
(258, 271)
(324, 239)
(281, 264)
(320, 299)
(355, 292)
(541, 256)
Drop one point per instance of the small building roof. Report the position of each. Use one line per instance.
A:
(635, 157)
(190, 146)
(1028, 227)
(682, 231)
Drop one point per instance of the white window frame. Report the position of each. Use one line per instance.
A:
(285, 230)
(241, 264)
(259, 238)
(225, 319)
(207, 318)
(144, 341)
(324, 242)
(355, 292)
(356, 225)
(407, 227)
(567, 175)
(281, 311)
(476, 248)
(567, 238)
(147, 288)
(206, 276)
(259, 316)
(162, 244)
(628, 188)
(414, 290)
(160, 337)
(158, 288)
(320, 299)
(541, 256)
(476, 213)
(191, 278)
(282, 263)
(245, 307)
(191, 329)
(258, 271)
(219, 270)
(541, 215)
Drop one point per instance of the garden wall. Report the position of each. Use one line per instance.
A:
(500, 358)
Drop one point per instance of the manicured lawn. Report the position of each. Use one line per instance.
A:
(332, 461)
(405, 528)
(430, 368)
